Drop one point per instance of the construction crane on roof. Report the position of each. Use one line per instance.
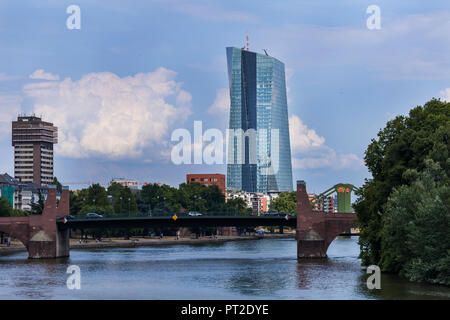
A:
(102, 184)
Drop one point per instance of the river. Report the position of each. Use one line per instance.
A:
(253, 269)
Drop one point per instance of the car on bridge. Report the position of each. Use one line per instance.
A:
(277, 214)
(93, 215)
(194, 214)
(66, 218)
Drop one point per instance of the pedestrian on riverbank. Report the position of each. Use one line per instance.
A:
(160, 236)
(8, 241)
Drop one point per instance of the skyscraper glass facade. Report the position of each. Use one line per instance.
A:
(260, 159)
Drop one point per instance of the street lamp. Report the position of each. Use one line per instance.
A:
(129, 204)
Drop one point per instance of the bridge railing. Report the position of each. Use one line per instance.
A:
(171, 214)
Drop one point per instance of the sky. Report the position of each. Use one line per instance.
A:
(135, 71)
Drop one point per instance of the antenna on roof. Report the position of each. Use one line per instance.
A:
(246, 38)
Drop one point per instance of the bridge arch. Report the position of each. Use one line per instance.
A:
(16, 228)
(317, 229)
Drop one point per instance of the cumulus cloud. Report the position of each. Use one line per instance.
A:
(302, 138)
(221, 104)
(315, 154)
(40, 74)
(445, 94)
(10, 106)
(104, 115)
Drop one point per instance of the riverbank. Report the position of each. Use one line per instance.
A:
(142, 242)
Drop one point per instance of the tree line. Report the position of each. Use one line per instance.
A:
(404, 209)
(154, 200)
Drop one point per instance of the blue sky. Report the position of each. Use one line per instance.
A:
(137, 70)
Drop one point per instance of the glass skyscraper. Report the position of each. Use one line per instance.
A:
(259, 152)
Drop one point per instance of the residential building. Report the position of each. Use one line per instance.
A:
(21, 195)
(329, 204)
(33, 141)
(208, 179)
(259, 204)
(259, 154)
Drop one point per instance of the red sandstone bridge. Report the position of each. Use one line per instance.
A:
(47, 236)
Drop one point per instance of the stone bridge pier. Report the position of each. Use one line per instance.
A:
(39, 233)
(317, 229)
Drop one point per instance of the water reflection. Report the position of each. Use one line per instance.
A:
(264, 269)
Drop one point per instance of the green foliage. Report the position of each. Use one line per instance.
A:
(286, 202)
(123, 200)
(6, 209)
(237, 206)
(153, 195)
(92, 199)
(19, 213)
(77, 199)
(415, 237)
(38, 207)
(103, 210)
(405, 143)
(57, 183)
(166, 200)
(154, 199)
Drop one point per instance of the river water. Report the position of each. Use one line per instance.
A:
(258, 269)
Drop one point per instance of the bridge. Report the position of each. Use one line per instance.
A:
(47, 235)
(179, 222)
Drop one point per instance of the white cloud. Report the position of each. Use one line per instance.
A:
(302, 138)
(221, 104)
(445, 94)
(315, 153)
(106, 116)
(42, 75)
(10, 106)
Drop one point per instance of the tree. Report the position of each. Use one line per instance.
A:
(6, 209)
(286, 202)
(405, 143)
(95, 199)
(153, 194)
(77, 201)
(97, 196)
(123, 199)
(127, 202)
(38, 207)
(237, 206)
(57, 183)
(415, 233)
